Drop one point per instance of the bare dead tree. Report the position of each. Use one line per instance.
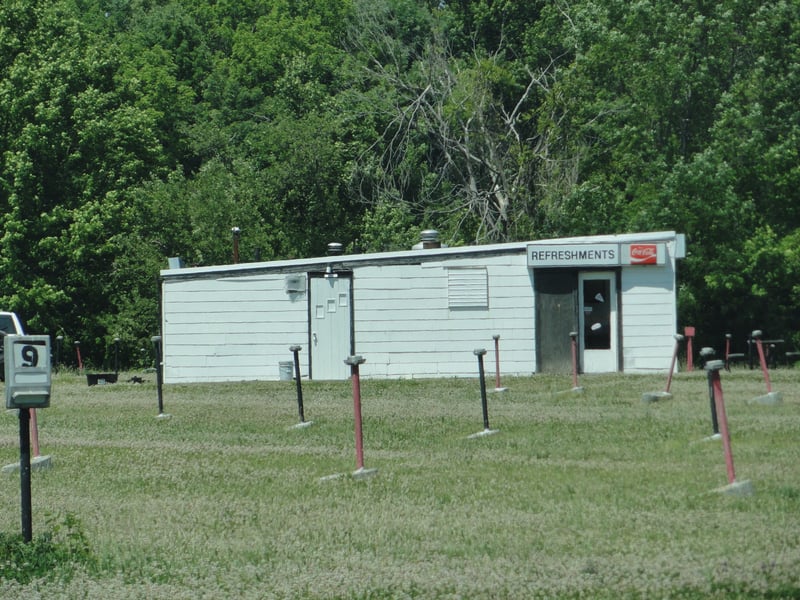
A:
(474, 116)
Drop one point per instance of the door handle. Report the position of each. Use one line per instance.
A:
(314, 337)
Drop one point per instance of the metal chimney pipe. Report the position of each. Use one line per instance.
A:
(236, 233)
(430, 239)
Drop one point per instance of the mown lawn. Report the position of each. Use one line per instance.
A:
(594, 494)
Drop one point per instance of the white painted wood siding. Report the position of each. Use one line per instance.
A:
(649, 316)
(240, 328)
(231, 328)
(405, 328)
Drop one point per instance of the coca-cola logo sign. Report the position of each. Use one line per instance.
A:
(644, 254)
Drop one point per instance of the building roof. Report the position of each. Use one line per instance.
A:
(346, 261)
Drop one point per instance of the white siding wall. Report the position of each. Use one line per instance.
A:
(231, 329)
(649, 317)
(240, 328)
(405, 328)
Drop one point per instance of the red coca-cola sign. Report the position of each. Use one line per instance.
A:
(644, 254)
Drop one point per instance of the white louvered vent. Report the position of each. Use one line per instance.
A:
(467, 287)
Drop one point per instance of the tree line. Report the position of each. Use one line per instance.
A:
(136, 130)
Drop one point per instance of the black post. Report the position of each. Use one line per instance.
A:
(156, 339)
(25, 472)
(295, 350)
(116, 355)
(714, 422)
(480, 353)
(707, 355)
(59, 340)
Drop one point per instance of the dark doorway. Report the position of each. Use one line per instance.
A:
(597, 314)
(556, 316)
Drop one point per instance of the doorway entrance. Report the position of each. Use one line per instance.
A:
(330, 306)
(597, 300)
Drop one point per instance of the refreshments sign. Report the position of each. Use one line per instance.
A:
(573, 255)
(595, 255)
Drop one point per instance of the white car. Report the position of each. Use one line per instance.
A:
(9, 325)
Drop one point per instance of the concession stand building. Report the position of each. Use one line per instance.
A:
(422, 312)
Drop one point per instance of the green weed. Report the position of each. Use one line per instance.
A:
(54, 554)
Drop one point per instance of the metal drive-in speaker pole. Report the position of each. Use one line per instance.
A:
(354, 361)
(156, 339)
(295, 350)
(741, 488)
(771, 397)
(497, 386)
(573, 336)
(480, 353)
(666, 394)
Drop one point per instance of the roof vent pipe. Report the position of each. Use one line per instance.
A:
(334, 249)
(430, 239)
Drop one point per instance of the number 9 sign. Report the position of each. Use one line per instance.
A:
(28, 355)
(27, 367)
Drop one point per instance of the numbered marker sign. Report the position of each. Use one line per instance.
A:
(27, 364)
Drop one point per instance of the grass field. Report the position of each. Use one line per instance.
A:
(593, 495)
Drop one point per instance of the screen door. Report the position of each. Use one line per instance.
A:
(598, 322)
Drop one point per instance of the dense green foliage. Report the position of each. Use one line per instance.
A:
(131, 131)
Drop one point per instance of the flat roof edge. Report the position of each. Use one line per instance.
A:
(403, 256)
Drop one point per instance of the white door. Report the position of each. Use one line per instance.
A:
(330, 327)
(597, 293)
